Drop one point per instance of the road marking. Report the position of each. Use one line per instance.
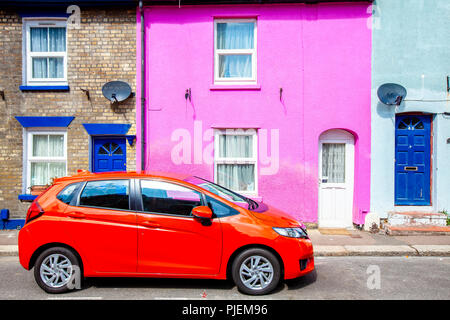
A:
(75, 298)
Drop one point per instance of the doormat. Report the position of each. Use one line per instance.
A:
(330, 231)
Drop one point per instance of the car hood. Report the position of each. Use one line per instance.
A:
(275, 217)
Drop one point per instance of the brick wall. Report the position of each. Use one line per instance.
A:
(103, 49)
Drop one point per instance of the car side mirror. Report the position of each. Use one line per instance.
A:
(202, 212)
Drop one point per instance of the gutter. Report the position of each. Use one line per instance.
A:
(141, 10)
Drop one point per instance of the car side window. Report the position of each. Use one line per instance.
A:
(168, 198)
(68, 192)
(220, 209)
(112, 194)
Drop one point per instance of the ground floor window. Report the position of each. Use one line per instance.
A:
(235, 159)
(46, 156)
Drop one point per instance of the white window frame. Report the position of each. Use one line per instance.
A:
(218, 52)
(28, 55)
(29, 151)
(234, 160)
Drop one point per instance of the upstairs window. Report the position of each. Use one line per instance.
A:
(45, 58)
(235, 51)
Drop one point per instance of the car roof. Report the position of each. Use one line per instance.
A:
(87, 175)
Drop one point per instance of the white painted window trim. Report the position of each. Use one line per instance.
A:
(28, 151)
(217, 52)
(233, 160)
(28, 55)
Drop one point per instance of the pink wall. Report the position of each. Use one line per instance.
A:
(319, 54)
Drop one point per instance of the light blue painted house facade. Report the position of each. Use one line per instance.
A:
(410, 158)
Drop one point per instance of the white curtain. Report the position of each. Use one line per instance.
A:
(40, 68)
(57, 39)
(43, 172)
(235, 146)
(235, 66)
(47, 146)
(40, 145)
(39, 39)
(48, 40)
(333, 162)
(56, 145)
(235, 36)
(239, 177)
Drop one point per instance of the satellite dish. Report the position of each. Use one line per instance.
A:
(391, 93)
(116, 91)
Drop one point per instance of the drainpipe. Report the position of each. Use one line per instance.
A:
(141, 10)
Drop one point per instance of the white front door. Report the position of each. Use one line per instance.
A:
(336, 175)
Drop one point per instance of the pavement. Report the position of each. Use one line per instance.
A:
(354, 243)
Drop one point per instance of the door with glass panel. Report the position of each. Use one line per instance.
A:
(109, 154)
(336, 171)
(413, 160)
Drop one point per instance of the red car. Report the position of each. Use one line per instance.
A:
(142, 225)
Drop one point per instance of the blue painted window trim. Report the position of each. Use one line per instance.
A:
(106, 128)
(27, 197)
(44, 88)
(28, 122)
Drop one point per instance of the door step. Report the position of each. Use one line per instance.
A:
(412, 218)
(416, 229)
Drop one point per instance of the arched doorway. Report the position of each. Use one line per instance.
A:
(336, 178)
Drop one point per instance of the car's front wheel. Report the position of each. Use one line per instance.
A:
(256, 271)
(57, 270)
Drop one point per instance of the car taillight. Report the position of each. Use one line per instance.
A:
(35, 211)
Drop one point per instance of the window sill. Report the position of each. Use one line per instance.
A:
(27, 197)
(235, 87)
(44, 88)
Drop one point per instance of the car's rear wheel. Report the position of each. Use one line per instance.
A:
(256, 271)
(57, 270)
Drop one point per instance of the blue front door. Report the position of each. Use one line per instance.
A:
(109, 154)
(412, 160)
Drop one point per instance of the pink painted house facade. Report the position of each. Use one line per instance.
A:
(272, 101)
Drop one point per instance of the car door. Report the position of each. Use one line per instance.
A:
(170, 239)
(104, 226)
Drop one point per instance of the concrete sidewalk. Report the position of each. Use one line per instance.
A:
(363, 243)
(356, 243)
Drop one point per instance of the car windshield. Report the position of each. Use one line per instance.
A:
(222, 191)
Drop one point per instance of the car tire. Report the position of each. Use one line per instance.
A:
(58, 270)
(256, 271)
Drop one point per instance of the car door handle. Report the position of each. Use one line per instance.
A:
(150, 224)
(76, 214)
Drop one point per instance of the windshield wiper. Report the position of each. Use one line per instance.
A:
(252, 204)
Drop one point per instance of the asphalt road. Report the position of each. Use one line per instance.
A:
(335, 278)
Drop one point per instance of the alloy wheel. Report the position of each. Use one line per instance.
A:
(56, 270)
(256, 272)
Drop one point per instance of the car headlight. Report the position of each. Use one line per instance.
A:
(291, 232)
